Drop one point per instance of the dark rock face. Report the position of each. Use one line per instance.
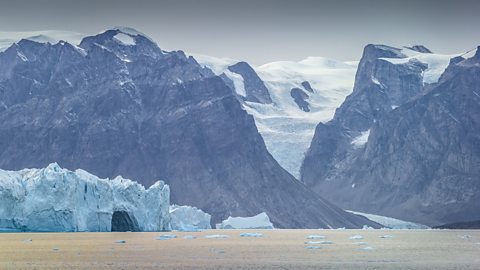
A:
(379, 87)
(116, 109)
(468, 225)
(255, 89)
(300, 97)
(420, 48)
(306, 85)
(421, 160)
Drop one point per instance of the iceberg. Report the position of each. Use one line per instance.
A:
(53, 199)
(260, 221)
(188, 218)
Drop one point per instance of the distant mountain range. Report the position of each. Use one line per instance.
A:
(396, 134)
(116, 104)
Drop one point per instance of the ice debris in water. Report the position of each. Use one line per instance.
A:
(318, 242)
(316, 236)
(166, 236)
(368, 248)
(360, 243)
(189, 237)
(386, 236)
(466, 236)
(216, 236)
(120, 241)
(29, 240)
(313, 247)
(356, 237)
(245, 234)
(56, 249)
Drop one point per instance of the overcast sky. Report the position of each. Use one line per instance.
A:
(264, 30)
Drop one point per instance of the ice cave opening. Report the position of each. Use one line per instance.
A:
(123, 221)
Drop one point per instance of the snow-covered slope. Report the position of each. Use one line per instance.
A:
(188, 218)
(260, 221)
(437, 63)
(51, 36)
(56, 199)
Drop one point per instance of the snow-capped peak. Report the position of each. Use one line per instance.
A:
(47, 36)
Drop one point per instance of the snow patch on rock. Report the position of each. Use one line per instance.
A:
(360, 141)
(125, 39)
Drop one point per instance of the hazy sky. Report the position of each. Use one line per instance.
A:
(263, 30)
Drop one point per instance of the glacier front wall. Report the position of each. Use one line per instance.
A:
(56, 199)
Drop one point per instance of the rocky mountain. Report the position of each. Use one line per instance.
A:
(403, 144)
(117, 104)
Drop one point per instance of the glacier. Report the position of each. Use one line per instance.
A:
(286, 128)
(58, 200)
(260, 221)
(188, 218)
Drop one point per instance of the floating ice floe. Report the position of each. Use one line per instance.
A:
(120, 241)
(360, 243)
(190, 237)
(368, 248)
(166, 236)
(386, 236)
(316, 236)
(188, 218)
(210, 236)
(260, 221)
(245, 234)
(313, 247)
(355, 237)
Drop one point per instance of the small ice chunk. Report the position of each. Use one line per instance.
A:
(369, 248)
(214, 250)
(29, 240)
(245, 234)
(210, 236)
(313, 247)
(360, 243)
(318, 242)
(386, 236)
(56, 249)
(120, 241)
(166, 236)
(466, 236)
(356, 237)
(190, 237)
(316, 236)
